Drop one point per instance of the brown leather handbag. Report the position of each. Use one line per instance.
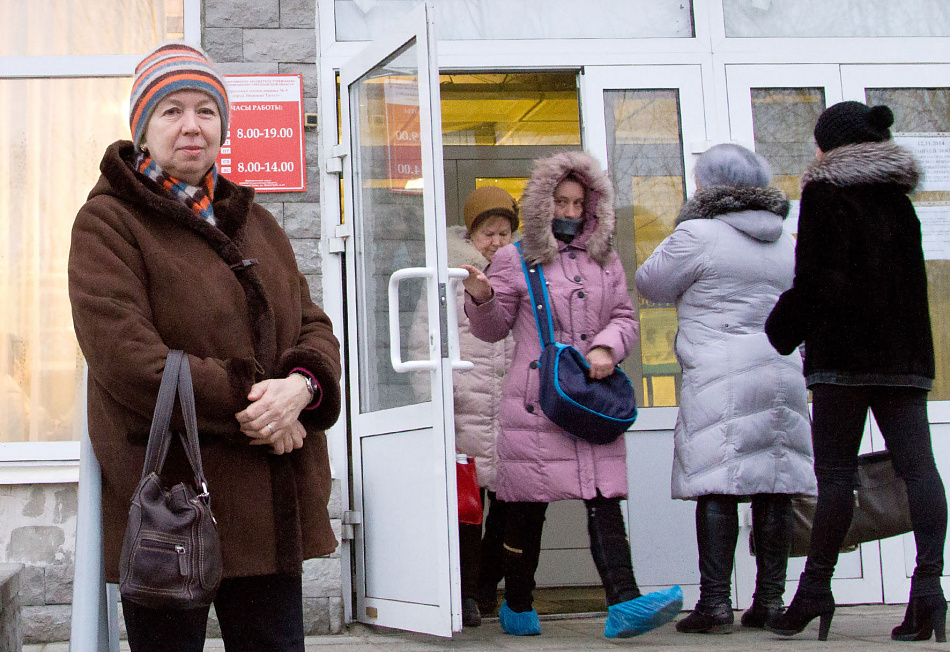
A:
(880, 506)
(171, 555)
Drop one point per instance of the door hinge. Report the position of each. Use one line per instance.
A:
(334, 162)
(336, 244)
(350, 518)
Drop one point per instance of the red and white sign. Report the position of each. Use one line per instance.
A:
(402, 133)
(264, 147)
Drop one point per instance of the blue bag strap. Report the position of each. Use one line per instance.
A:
(534, 276)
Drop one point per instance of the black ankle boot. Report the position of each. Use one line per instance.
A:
(759, 615)
(471, 616)
(925, 615)
(805, 608)
(717, 619)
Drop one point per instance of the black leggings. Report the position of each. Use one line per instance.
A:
(839, 416)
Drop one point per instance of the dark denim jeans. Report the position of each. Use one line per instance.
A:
(838, 423)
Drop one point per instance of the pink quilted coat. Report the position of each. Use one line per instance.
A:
(537, 460)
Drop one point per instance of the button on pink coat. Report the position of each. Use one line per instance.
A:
(537, 460)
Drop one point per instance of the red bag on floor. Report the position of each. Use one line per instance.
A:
(470, 497)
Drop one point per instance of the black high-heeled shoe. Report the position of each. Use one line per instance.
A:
(804, 609)
(925, 615)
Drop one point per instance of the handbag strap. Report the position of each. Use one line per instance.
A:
(177, 375)
(159, 439)
(534, 276)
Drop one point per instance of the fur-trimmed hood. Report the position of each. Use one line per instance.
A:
(537, 208)
(852, 165)
(758, 212)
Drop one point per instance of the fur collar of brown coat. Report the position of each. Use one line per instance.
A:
(852, 165)
(231, 203)
(537, 208)
(710, 202)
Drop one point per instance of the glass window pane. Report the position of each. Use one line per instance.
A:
(82, 27)
(357, 20)
(841, 18)
(48, 165)
(783, 121)
(645, 150)
(510, 109)
(388, 195)
(922, 122)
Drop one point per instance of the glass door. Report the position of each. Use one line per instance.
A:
(919, 96)
(645, 123)
(402, 442)
(773, 109)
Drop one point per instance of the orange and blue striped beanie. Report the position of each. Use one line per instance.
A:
(168, 68)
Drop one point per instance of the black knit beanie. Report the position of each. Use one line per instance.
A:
(850, 123)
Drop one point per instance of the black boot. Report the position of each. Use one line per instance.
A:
(708, 620)
(926, 614)
(717, 530)
(760, 616)
(772, 534)
(805, 608)
(610, 549)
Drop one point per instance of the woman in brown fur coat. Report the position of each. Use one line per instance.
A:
(167, 254)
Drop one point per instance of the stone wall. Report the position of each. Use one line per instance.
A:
(11, 638)
(38, 531)
(259, 37)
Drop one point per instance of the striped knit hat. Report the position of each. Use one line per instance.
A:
(171, 67)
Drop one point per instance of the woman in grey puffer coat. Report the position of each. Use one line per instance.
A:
(742, 428)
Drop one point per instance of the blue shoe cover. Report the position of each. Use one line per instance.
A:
(640, 615)
(525, 623)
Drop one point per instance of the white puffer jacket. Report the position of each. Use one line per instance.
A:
(478, 392)
(743, 425)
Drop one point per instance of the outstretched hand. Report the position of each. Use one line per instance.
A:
(477, 284)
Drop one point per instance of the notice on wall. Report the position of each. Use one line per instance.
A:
(935, 231)
(264, 147)
(933, 151)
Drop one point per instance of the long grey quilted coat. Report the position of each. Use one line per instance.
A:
(743, 425)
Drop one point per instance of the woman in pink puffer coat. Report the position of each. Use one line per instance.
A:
(568, 227)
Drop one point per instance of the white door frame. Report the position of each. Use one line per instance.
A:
(404, 484)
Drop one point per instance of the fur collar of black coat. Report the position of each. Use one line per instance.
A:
(713, 201)
(852, 165)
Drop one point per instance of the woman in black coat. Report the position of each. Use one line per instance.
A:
(859, 304)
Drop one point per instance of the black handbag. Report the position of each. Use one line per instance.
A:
(171, 555)
(880, 507)
(595, 410)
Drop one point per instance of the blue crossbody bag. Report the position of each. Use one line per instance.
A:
(598, 411)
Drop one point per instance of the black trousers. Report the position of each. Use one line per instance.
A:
(255, 613)
(838, 422)
(481, 555)
(608, 546)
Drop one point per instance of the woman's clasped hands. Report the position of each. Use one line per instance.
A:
(271, 418)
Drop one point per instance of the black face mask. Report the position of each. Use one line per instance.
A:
(565, 230)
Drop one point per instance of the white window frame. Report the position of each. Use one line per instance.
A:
(58, 461)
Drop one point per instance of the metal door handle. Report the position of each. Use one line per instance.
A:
(395, 352)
